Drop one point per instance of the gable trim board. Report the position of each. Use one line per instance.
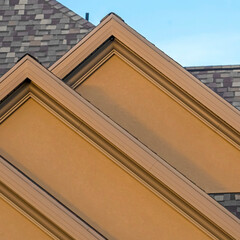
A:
(126, 151)
(179, 84)
(40, 207)
(74, 80)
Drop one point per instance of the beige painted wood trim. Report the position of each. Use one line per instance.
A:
(83, 130)
(114, 26)
(20, 210)
(26, 196)
(219, 127)
(214, 219)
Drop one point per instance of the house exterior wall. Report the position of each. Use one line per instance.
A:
(106, 184)
(86, 180)
(164, 126)
(16, 226)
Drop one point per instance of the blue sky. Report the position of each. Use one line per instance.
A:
(194, 33)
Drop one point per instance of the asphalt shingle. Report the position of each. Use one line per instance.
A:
(231, 201)
(224, 80)
(27, 25)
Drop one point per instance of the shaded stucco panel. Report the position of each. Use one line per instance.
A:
(87, 181)
(15, 226)
(164, 126)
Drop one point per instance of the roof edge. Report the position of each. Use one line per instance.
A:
(211, 104)
(207, 210)
(217, 67)
(41, 206)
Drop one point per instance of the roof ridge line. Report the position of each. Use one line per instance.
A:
(213, 67)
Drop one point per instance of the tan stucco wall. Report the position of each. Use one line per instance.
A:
(15, 226)
(164, 126)
(86, 180)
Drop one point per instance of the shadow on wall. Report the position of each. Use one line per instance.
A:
(56, 195)
(158, 144)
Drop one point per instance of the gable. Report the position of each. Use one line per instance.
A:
(14, 225)
(183, 122)
(121, 89)
(73, 115)
(119, 146)
(85, 180)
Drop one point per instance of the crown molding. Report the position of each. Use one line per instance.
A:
(201, 100)
(40, 207)
(121, 147)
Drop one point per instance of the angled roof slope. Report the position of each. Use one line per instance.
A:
(224, 80)
(214, 220)
(112, 25)
(47, 30)
(56, 220)
(44, 28)
(83, 53)
(231, 201)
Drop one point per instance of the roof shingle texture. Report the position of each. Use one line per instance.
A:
(43, 28)
(231, 201)
(224, 80)
(47, 30)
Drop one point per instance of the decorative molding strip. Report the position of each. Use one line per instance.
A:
(201, 96)
(133, 156)
(20, 210)
(114, 47)
(40, 207)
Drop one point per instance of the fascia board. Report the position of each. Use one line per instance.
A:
(114, 26)
(36, 197)
(101, 32)
(120, 139)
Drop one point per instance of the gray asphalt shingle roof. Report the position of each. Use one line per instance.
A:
(43, 28)
(224, 80)
(47, 30)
